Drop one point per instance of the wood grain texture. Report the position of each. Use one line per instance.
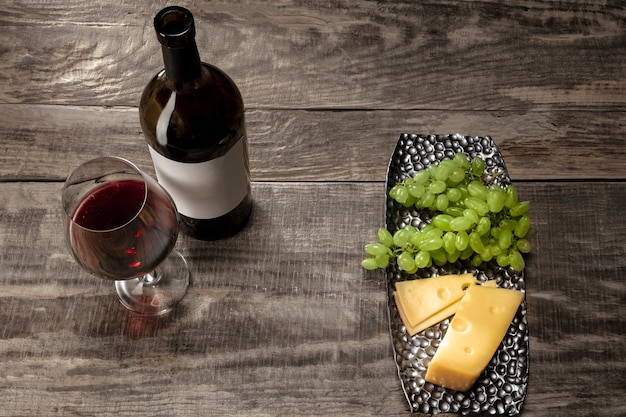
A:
(281, 320)
(340, 54)
(44, 142)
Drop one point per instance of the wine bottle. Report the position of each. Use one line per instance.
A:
(192, 117)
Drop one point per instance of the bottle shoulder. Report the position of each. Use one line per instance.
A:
(192, 122)
(212, 78)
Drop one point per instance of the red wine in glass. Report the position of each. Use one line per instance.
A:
(122, 225)
(112, 240)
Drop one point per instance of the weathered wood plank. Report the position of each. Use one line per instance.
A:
(577, 299)
(44, 142)
(281, 319)
(343, 54)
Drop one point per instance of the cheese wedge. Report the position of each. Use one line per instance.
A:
(424, 302)
(475, 332)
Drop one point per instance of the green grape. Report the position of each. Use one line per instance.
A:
(505, 239)
(523, 225)
(384, 237)
(431, 170)
(431, 244)
(421, 177)
(511, 197)
(394, 191)
(401, 237)
(431, 231)
(476, 242)
(477, 189)
(471, 215)
(494, 248)
(376, 249)
(410, 201)
(442, 221)
(441, 202)
(467, 253)
(437, 187)
(486, 254)
(410, 229)
(483, 227)
(413, 235)
(463, 189)
(461, 160)
(516, 260)
(519, 209)
(477, 166)
(442, 172)
(433, 206)
(416, 238)
(454, 211)
(454, 194)
(460, 224)
(399, 193)
(508, 224)
(462, 240)
(502, 260)
(370, 264)
(439, 257)
(422, 259)
(456, 176)
(416, 190)
(479, 206)
(429, 228)
(449, 164)
(426, 200)
(382, 261)
(449, 242)
(412, 271)
(523, 245)
(406, 262)
(477, 261)
(495, 199)
(454, 256)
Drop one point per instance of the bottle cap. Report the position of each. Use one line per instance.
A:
(175, 27)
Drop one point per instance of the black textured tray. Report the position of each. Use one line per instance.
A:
(501, 389)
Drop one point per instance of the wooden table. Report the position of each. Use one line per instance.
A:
(281, 320)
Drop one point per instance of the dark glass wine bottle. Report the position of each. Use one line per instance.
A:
(192, 117)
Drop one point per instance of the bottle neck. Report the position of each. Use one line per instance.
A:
(176, 33)
(182, 65)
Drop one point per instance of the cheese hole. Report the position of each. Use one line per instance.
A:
(443, 294)
(468, 350)
(460, 325)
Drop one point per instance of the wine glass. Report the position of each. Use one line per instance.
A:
(120, 224)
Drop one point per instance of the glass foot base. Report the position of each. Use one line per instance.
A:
(158, 292)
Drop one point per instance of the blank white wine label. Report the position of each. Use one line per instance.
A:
(205, 190)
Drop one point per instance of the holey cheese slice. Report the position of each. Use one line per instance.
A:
(424, 302)
(475, 332)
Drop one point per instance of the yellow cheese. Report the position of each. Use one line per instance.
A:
(424, 302)
(475, 332)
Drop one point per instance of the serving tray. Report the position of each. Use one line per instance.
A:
(501, 388)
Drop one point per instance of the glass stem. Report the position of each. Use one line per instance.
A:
(151, 278)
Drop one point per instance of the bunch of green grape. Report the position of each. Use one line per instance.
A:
(470, 220)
